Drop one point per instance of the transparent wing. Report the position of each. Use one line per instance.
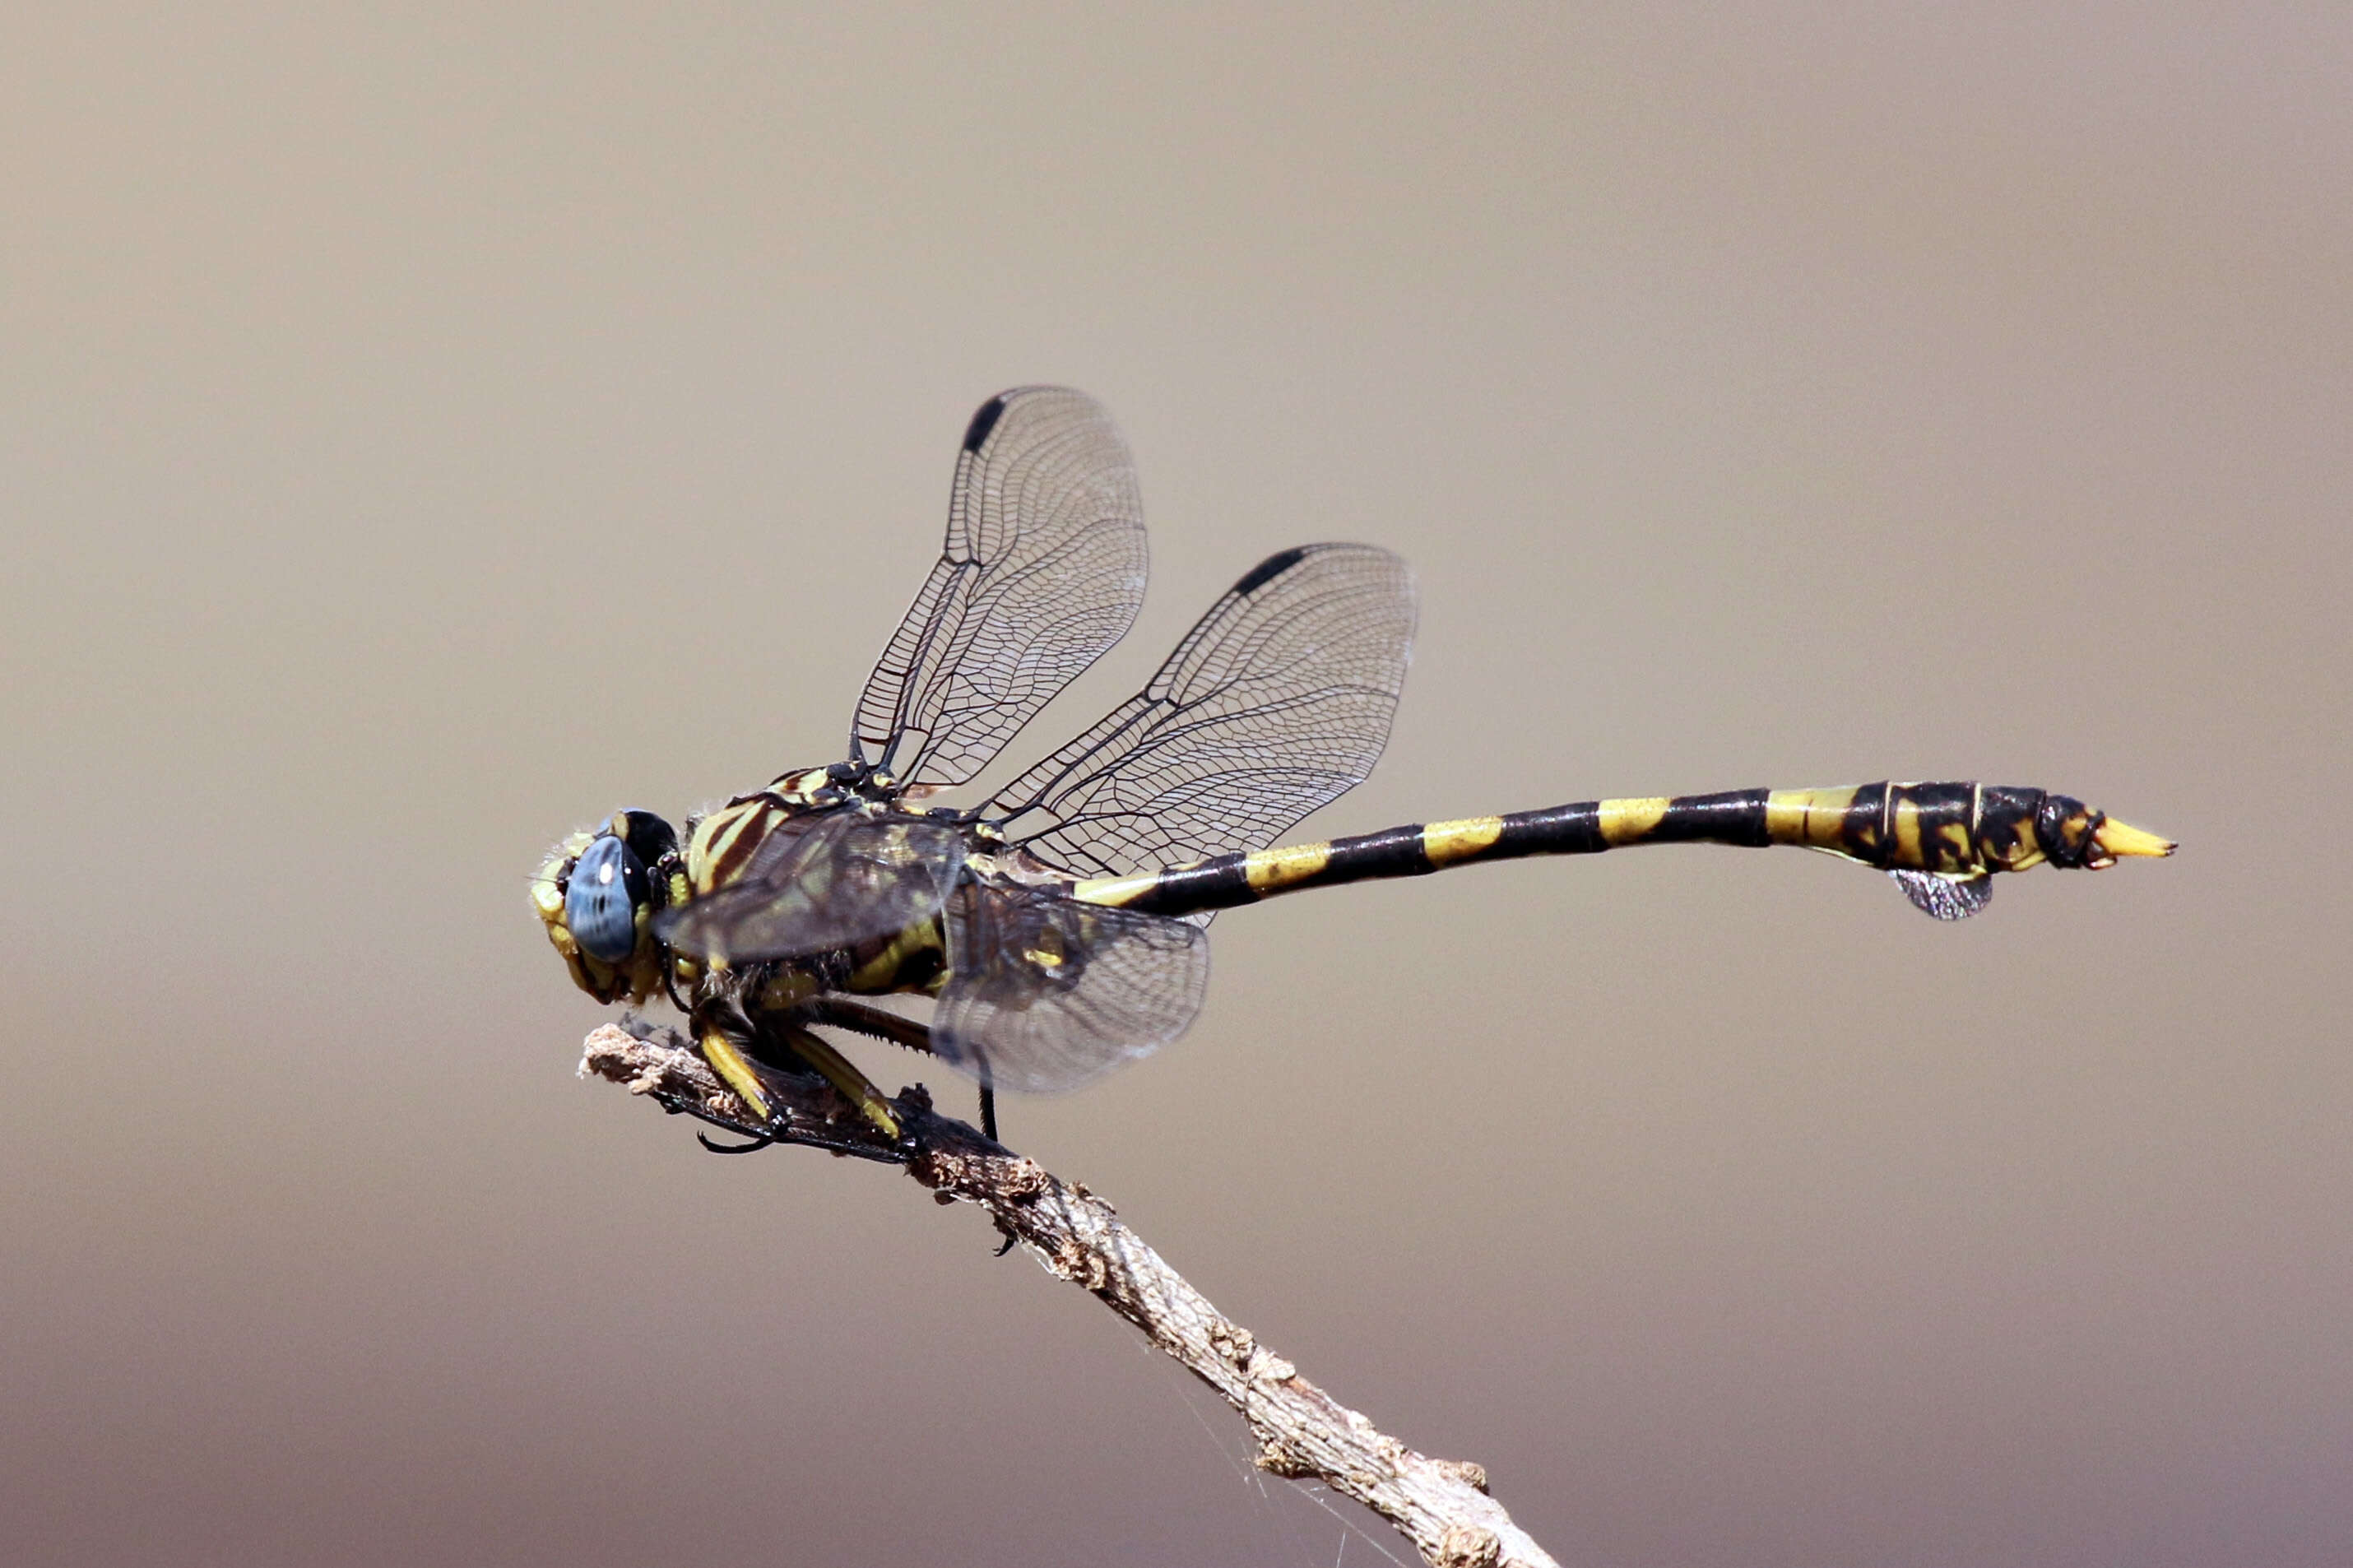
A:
(844, 880)
(1945, 897)
(1046, 995)
(1276, 702)
(1042, 571)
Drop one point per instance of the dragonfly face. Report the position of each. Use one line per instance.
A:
(1060, 925)
(597, 895)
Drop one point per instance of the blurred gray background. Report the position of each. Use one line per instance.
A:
(423, 428)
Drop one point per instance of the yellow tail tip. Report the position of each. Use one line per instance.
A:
(2123, 841)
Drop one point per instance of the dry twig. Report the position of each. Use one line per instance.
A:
(1440, 1505)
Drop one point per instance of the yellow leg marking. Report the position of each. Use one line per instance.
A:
(1809, 818)
(1447, 843)
(2123, 841)
(855, 1085)
(729, 1063)
(1270, 870)
(1627, 821)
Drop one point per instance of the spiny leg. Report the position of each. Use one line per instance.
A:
(735, 1069)
(845, 1013)
(840, 1072)
(808, 1135)
(734, 1066)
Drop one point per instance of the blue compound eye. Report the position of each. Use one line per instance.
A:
(602, 899)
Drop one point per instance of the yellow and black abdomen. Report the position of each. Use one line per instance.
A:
(1940, 840)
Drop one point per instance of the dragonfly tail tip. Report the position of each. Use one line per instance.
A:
(2124, 841)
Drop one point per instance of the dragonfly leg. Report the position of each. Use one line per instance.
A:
(753, 1147)
(844, 1014)
(839, 1071)
(799, 1049)
(729, 1064)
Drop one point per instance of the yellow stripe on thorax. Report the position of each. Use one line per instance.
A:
(711, 852)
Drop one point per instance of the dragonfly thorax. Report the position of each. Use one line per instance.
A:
(722, 844)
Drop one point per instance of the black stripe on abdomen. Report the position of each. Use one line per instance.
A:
(1735, 816)
(1391, 852)
(1573, 829)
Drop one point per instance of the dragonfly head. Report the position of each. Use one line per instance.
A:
(597, 895)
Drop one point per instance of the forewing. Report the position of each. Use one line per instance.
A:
(1277, 701)
(1043, 570)
(1046, 993)
(843, 882)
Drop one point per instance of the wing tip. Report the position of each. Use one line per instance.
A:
(1268, 569)
(984, 420)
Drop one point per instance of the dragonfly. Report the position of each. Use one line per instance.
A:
(1059, 928)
